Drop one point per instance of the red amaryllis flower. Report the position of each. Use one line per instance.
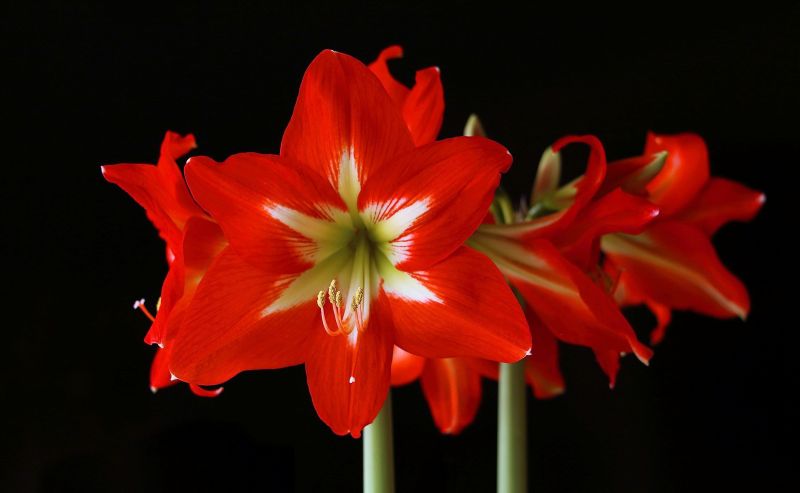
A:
(550, 254)
(672, 263)
(192, 238)
(549, 259)
(349, 241)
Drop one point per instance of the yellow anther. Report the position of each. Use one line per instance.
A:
(338, 299)
(358, 298)
(158, 303)
(332, 292)
(321, 299)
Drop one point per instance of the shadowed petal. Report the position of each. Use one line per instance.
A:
(453, 391)
(674, 264)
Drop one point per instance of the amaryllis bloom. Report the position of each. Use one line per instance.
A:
(549, 253)
(672, 263)
(348, 242)
(192, 238)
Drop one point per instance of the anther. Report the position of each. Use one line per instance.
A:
(321, 299)
(139, 305)
(332, 292)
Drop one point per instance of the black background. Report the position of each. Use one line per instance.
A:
(91, 85)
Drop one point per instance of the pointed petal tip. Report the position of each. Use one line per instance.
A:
(153, 389)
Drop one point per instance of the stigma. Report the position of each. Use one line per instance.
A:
(343, 325)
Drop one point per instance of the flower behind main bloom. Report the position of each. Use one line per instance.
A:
(348, 242)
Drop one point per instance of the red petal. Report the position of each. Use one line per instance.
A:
(720, 202)
(674, 264)
(160, 190)
(663, 316)
(243, 195)
(201, 392)
(452, 181)
(397, 91)
(406, 367)
(343, 115)
(171, 294)
(633, 174)
(160, 376)
(202, 242)
(609, 362)
(615, 212)
(477, 316)
(685, 172)
(226, 329)
(570, 305)
(626, 293)
(423, 109)
(453, 391)
(584, 189)
(541, 367)
(348, 376)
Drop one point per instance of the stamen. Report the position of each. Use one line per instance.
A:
(332, 292)
(139, 305)
(335, 297)
(358, 299)
(321, 305)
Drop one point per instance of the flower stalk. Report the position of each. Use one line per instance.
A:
(379, 451)
(512, 430)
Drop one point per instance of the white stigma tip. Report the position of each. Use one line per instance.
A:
(138, 303)
(352, 379)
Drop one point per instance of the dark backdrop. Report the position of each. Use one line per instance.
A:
(88, 85)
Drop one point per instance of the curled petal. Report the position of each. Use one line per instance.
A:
(720, 202)
(423, 109)
(674, 264)
(633, 174)
(577, 193)
(397, 91)
(202, 392)
(453, 391)
(684, 174)
(663, 316)
(160, 189)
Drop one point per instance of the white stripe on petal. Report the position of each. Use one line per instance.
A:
(327, 235)
(402, 285)
(392, 227)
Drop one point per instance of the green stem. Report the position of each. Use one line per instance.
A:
(512, 430)
(379, 452)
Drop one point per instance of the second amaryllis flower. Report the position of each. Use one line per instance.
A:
(348, 242)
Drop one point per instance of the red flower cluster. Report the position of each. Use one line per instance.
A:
(364, 251)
